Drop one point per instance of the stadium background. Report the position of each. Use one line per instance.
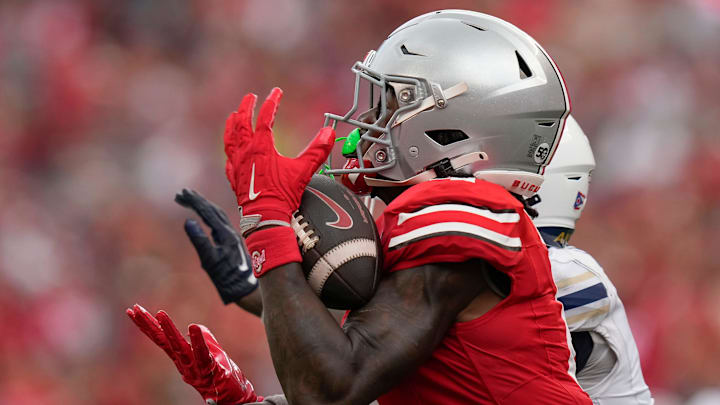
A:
(107, 108)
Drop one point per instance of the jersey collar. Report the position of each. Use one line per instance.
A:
(555, 236)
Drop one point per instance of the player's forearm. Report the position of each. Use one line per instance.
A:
(319, 363)
(313, 358)
(252, 303)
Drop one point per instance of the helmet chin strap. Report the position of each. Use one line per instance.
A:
(456, 163)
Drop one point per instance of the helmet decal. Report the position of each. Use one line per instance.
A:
(579, 200)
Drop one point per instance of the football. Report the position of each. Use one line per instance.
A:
(339, 244)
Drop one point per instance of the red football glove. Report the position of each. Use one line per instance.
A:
(202, 363)
(268, 185)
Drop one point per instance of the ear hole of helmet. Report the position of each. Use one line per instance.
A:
(445, 137)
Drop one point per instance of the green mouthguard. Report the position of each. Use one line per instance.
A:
(350, 145)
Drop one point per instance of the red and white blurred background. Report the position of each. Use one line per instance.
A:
(107, 108)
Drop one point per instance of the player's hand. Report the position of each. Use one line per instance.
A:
(265, 182)
(268, 186)
(202, 362)
(227, 261)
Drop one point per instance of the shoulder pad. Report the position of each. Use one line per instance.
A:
(454, 189)
(582, 287)
(454, 220)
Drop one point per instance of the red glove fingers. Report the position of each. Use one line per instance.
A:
(309, 161)
(239, 125)
(150, 327)
(266, 119)
(202, 354)
(202, 363)
(179, 345)
(318, 150)
(229, 385)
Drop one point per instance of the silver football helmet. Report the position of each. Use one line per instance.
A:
(567, 179)
(456, 90)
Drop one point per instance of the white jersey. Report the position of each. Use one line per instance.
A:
(612, 374)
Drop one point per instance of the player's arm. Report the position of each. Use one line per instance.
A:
(586, 296)
(252, 303)
(317, 362)
(225, 258)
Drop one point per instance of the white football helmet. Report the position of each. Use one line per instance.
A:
(563, 195)
(474, 94)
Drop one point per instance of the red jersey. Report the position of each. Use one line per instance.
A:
(516, 353)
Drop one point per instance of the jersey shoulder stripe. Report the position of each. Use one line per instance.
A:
(582, 288)
(583, 297)
(452, 221)
(565, 283)
(455, 229)
(497, 228)
(471, 192)
(457, 220)
(587, 319)
(507, 215)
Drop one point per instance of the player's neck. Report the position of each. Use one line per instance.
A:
(556, 235)
(387, 194)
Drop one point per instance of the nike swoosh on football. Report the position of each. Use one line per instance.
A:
(252, 194)
(344, 220)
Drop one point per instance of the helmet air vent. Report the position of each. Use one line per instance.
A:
(405, 51)
(524, 69)
(546, 123)
(446, 137)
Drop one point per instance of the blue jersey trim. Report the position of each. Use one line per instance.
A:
(583, 297)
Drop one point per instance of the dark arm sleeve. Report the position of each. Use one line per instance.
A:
(583, 345)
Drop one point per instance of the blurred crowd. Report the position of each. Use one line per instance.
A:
(107, 108)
